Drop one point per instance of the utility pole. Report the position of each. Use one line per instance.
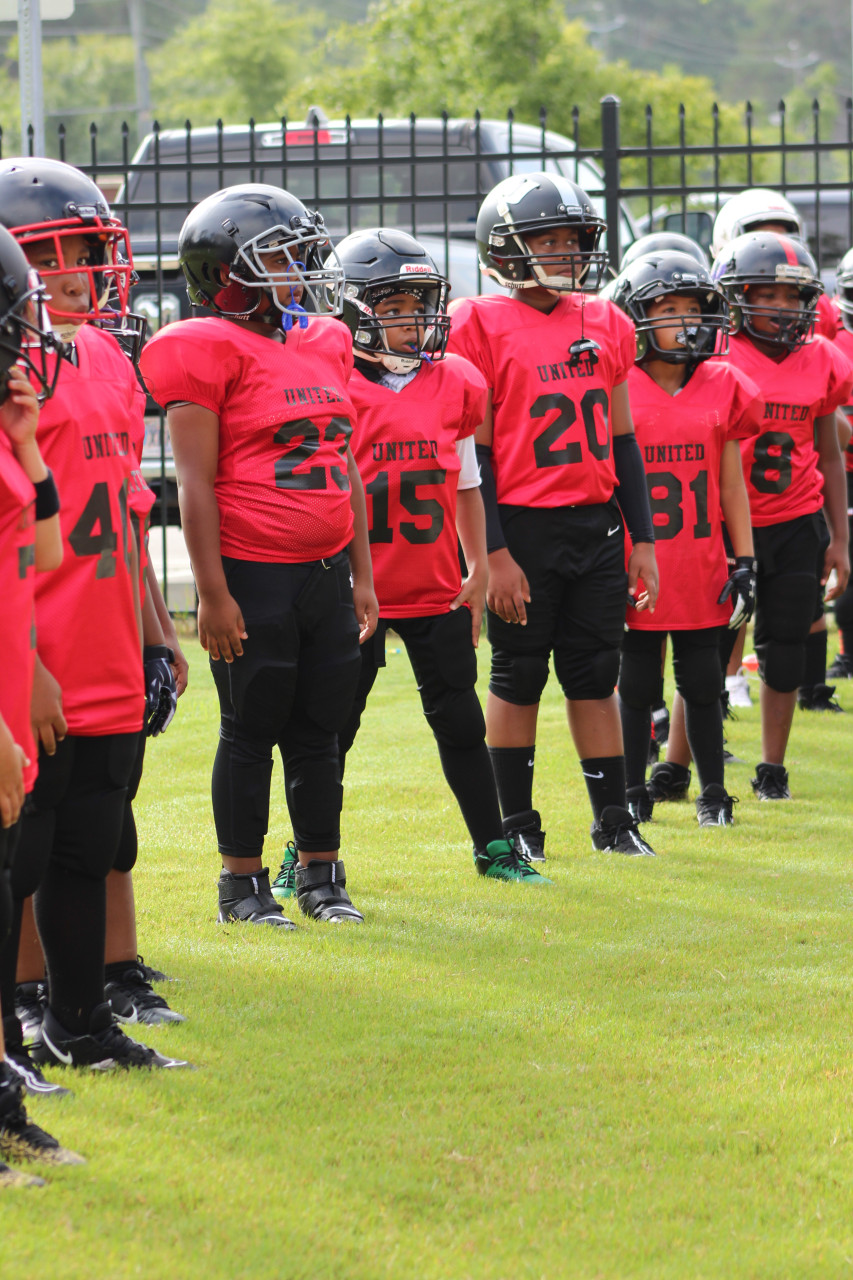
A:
(30, 74)
(143, 89)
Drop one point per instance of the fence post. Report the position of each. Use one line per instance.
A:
(610, 158)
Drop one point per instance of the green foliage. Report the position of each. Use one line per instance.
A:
(93, 76)
(233, 62)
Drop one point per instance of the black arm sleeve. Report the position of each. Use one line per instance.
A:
(632, 493)
(495, 539)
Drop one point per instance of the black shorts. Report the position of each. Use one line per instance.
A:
(788, 554)
(574, 561)
(75, 811)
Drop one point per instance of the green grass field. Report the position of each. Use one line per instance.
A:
(644, 1070)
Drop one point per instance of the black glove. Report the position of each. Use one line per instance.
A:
(161, 691)
(740, 585)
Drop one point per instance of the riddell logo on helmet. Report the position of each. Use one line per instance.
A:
(415, 269)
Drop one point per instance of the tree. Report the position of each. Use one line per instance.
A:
(232, 62)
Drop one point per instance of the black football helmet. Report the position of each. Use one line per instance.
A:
(48, 200)
(657, 275)
(765, 257)
(26, 336)
(379, 264)
(528, 204)
(225, 246)
(844, 287)
(660, 242)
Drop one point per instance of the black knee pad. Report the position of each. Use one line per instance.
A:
(786, 608)
(447, 675)
(781, 665)
(640, 679)
(457, 719)
(518, 678)
(587, 674)
(699, 677)
(128, 845)
(844, 610)
(312, 781)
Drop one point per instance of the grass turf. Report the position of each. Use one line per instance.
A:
(641, 1071)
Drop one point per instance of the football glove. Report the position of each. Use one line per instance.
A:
(740, 585)
(161, 691)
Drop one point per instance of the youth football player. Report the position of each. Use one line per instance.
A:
(793, 468)
(417, 410)
(842, 667)
(274, 517)
(689, 414)
(88, 692)
(555, 443)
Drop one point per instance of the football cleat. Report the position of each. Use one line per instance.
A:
(818, 697)
(737, 687)
(322, 894)
(714, 807)
(501, 861)
(30, 1004)
(616, 832)
(524, 832)
(771, 782)
(246, 898)
(842, 668)
(641, 803)
(15, 1178)
(152, 975)
(284, 885)
(132, 997)
(669, 781)
(31, 1077)
(20, 1139)
(103, 1048)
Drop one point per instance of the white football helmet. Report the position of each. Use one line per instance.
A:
(749, 211)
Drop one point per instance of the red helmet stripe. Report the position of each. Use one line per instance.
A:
(790, 250)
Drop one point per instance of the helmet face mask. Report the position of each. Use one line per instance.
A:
(381, 264)
(255, 252)
(648, 279)
(522, 207)
(765, 258)
(26, 337)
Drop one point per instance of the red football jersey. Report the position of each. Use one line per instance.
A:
(85, 615)
(285, 419)
(780, 464)
(551, 443)
(405, 447)
(844, 341)
(681, 439)
(17, 587)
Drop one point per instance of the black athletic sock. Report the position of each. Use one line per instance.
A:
(704, 726)
(513, 770)
(815, 672)
(9, 961)
(636, 734)
(469, 775)
(846, 642)
(70, 913)
(605, 781)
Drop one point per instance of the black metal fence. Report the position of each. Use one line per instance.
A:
(428, 176)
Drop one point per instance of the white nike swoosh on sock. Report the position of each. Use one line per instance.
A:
(592, 775)
(63, 1057)
(615, 529)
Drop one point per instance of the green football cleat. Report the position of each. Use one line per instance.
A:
(501, 862)
(284, 885)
